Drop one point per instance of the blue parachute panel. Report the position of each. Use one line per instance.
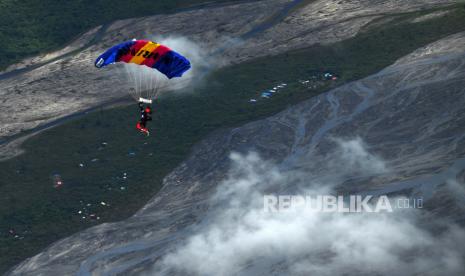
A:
(111, 55)
(172, 64)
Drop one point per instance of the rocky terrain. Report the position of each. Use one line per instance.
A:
(51, 86)
(397, 131)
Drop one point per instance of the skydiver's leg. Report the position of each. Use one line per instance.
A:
(146, 131)
(141, 126)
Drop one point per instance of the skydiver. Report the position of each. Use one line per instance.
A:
(145, 115)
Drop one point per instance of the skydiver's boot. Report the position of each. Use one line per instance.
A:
(146, 131)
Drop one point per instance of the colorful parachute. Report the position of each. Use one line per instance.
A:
(150, 54)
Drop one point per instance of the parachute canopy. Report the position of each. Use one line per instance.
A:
(148, 53)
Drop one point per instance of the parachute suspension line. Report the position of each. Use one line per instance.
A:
(132, 79)
(148, 86)
(144, 83)
(143, 90)
(153, 82)
(157, 89)
(139, 90)
(155, 86)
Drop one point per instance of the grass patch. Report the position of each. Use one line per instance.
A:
(40, 214)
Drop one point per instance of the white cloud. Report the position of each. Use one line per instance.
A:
(354, 157)
(455, 187)
(240, 238)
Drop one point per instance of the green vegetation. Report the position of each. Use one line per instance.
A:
(41, 214)
(30, 27)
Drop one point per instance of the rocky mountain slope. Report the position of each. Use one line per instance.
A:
(399, 131)
(65, 82)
